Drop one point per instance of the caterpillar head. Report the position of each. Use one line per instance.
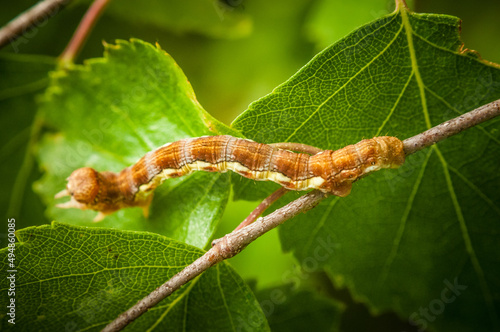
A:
(99, 191)
(83, 187)
(391, 151)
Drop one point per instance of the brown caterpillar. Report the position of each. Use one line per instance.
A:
(329, 171)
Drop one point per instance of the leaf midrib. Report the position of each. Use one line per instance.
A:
(463, 226)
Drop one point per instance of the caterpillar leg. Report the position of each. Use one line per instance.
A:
(144, 205)
(299, 147)
(72, 203)
(145, 211)
(100, 216)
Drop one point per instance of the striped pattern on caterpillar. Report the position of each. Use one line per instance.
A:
(329, 171)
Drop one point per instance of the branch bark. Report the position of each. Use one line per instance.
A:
(34, 16)
(451, 127)
(233, 243)
(227, 247)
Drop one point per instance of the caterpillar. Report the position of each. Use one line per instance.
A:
(330, 171)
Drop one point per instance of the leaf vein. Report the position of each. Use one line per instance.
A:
(319, 107)
(402, 225)
(395, 105)
(468, 242)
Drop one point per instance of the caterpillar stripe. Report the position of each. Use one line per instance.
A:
(329, 171)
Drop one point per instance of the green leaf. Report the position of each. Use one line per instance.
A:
(23, 77)
(404, 239)
(214, 18)
(81, 278)
(289, 309)
(113, 110)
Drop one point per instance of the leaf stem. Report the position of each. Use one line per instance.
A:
(451, 127)
(36, 15)
(234, 242)
(83, 31)
(262, 207)
(401, 5)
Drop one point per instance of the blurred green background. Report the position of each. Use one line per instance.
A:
(233, 52)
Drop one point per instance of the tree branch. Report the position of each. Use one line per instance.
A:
(34, 16)
(227, 247)
(451, 127)
(236, 241)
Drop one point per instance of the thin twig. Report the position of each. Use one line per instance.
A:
(451, 127)
(233, 243)
(83, 30)
(262, 207)
(227, 247)
(268, 201)
(34, 16)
